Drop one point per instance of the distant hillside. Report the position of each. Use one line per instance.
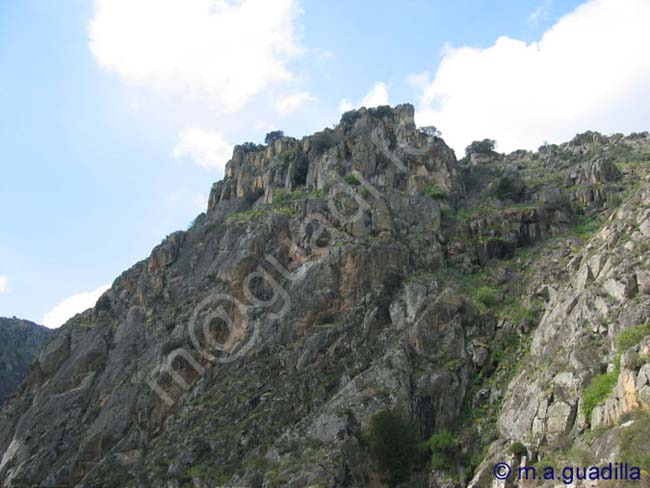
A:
(19, 341)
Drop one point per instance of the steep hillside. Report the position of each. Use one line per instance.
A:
(346, 297)
(19, 341)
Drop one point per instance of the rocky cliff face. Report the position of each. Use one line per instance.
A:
(358, 270)
(19, 341)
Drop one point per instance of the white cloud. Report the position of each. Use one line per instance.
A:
(291, 103)
(4, 284)
(70, 307)
(223, 51)
(208, 149)
(378, 95)
(345, 106)
(419, 80)
(540, 13)
(587, 72)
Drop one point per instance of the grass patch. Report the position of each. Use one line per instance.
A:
(352, 180)
(599, 389)
(586, 227)
(504, 354)
(444, 451)
(519, 313)
(487, 296)
(435, 192)
(631, 337)
(602, 385)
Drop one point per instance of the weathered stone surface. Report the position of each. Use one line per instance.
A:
(576, 340)
(359, 269)
(623, 289)
(20, 341)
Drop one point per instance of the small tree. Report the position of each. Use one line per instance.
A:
(381, 111)
(505, 188)
(431, 131)
(350, 117)
(352, 180)
(249, 146)
(273, 136)
(393, 442)
(486, 146)
(322, 141)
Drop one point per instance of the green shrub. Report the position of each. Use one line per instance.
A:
(631, 337)
(280, 197)
(486, 146)
(435, 192)
(518, 450)
(505, 188)
(321, 142)
(454, 364)
(287, 155)
(352, 180)
(381, 111)
(599, 389)
(431, 131)
(249, 146)
(505, 353)
(289, 212)
(444, 451)
(487, 296)
(273, 136)
(349, 118)
(393, 442)
(586, 227)
(205, 472)
(326, 318)
(520, 313)
(615, 200)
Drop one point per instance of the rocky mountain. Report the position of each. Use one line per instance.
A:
(19, 341)
(360, 308)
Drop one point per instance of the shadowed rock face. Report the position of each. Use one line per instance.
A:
(20, 340)
(358, 269)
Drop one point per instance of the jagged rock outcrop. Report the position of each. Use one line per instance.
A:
(359, 269)
(576, 344)
(20, 340)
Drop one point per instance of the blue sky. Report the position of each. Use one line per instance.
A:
(116, 116)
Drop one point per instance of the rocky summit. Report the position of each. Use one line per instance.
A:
(360, 308)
